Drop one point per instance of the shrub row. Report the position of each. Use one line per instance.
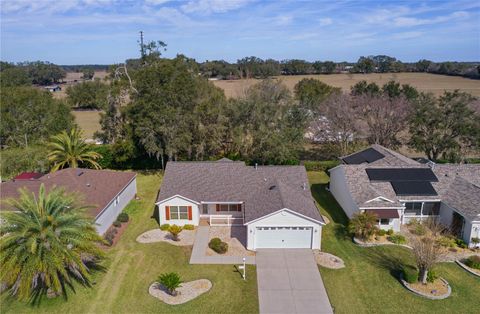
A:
(473, 261)
(324, 165)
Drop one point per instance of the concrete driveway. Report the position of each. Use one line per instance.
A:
(289, 282)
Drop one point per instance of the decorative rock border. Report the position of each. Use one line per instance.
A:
(366, 244)
(187, 291)
(431, 297)
(467, 268)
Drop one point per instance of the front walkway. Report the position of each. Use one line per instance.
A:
(199, 250)
(289, 282)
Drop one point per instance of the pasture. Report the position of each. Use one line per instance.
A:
(88, 121)
(424, 82)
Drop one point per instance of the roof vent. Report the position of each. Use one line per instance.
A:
(256, 166)
(304, 186)
(272, 187)
(79, 172)
(88, 184)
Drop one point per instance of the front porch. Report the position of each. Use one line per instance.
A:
(221, 214)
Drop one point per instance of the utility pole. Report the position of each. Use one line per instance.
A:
(142, 49)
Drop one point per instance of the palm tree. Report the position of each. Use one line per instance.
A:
(69, 150)
(47, 243)
(363, 225)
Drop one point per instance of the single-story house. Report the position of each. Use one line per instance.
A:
(53, 88)
(108, 192)
(274, 203)
(399, 189)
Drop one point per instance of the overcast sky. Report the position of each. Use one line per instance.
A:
(106, 31)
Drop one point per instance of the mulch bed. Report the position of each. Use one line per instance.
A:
(187, 291)
(120, 231)
(437, 290)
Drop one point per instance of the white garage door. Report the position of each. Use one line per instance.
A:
(283, 237)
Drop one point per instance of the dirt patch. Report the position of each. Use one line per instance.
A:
(235, 237)
(328, 260)
(186, 237)
(187, 291)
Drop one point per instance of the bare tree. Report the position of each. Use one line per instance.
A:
(336, 121)
(384, 117)
(426, 249)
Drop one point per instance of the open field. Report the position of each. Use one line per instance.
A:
(368, 283)
(88, 120)
(73, 78)
(425, 82)
(132, 267)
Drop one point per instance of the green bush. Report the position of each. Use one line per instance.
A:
(460, 243)
(419, 229)
(171, 281)
(390, 232)
(164, 227)
(117, 223)
(473, 261)
(17, 160)
(431, 275)
(410, 274)
(106, 162)
(188, 227)
(381, 232)
(397, 239)
(110, 235)
(447, 242)
(324, 165)
(218, 246)
(123, 217)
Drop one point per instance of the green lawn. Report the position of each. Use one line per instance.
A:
(368, 284)
(132, 267)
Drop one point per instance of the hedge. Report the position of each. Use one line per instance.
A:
(323, 165)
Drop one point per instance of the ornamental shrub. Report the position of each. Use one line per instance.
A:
(431, 276)
(171, 281)
(218, 246)
(390, 232)
(473, 261)
(117, 223)
(381, 232)
(410, 274)
(397, 239)
(123, 217)
(164, 227)
(188, 227)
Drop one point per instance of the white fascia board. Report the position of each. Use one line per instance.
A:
(176, 195)
(288, 210)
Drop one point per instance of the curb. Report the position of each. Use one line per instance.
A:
(466, 268)
(441, 297)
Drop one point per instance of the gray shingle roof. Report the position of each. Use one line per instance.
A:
(264, 189)
(449, 175)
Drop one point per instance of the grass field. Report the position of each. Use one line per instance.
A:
(88, 120)
(369, 282)
(426, 82)
(132, 267)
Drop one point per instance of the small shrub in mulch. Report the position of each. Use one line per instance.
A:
(397, 239)
(164, 227)
(390, 232)
(218, 245)
(381, 232)
(117, 223)
(188, 227)
(461, 244)
(473, 262)
(123, 217)
(110, 235)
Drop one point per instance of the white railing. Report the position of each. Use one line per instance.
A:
(225, 220)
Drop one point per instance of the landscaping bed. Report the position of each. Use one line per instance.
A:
(328, 260)
(187, 291)
(465, 265)
(186, 237)
(117, 233)
(437, 290)
(235, 237)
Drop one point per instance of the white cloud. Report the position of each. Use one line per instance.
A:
(47, 6)
(412, 21)
(325, 21)
(213, 6)
(283, 20)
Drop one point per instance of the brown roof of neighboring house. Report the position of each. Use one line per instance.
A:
(263, 189)
(96, 188)
(464, 197)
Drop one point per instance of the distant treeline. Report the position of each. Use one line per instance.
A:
(253, 67)
(82, 67)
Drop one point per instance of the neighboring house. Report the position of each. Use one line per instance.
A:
(53, 88)
(399, 189)
(108, 192)
(274, 203)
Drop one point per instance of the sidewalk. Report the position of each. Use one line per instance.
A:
(200, 248)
